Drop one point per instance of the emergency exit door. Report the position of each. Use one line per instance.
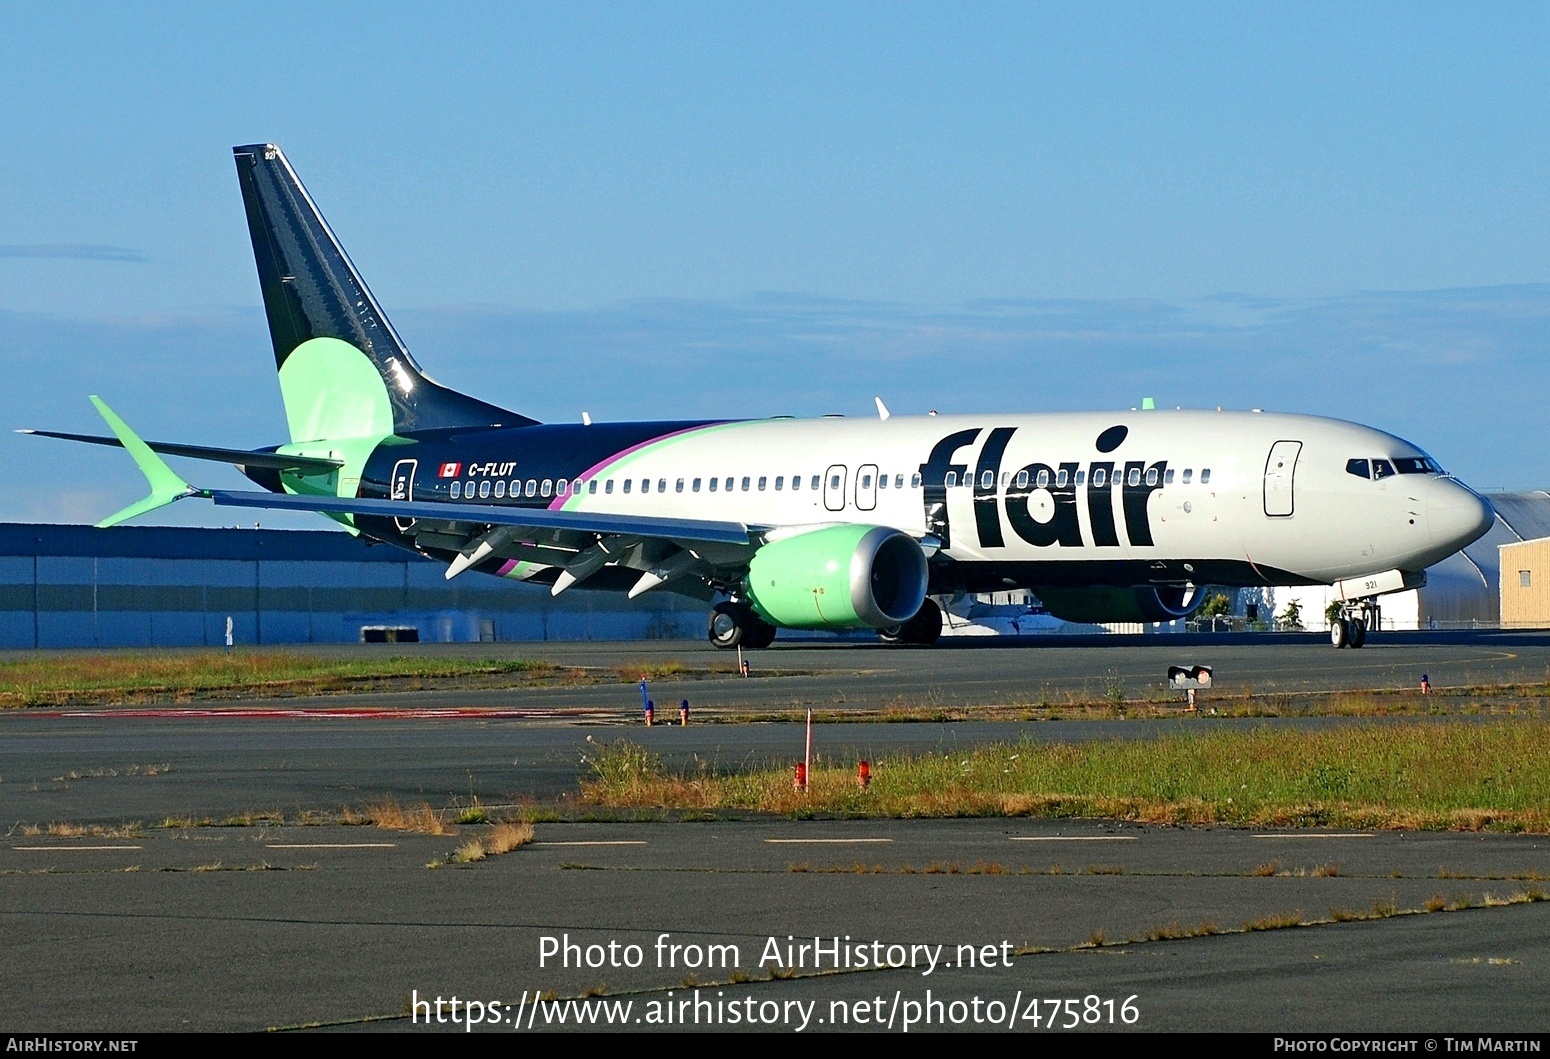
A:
(1280, 468)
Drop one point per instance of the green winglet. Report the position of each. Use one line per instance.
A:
(166, 486)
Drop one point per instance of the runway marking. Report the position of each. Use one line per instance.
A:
(1073, 838)
(62, 849)
(1352, 835)
(823, 841)
(598, 842)
(330, 845)
(337, 713)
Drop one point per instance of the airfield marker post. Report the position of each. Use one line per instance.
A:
(864, 775)
(683, 714)
(651, 713)
(807, 756)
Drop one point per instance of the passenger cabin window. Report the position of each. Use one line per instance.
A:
(898, 481)
(1135, 477)
(814, 483)
(834, 481)
(575, 487)
(695, 485)
(1187, 472)
(532, 487)
(1382, 469)
(678, 486)
(1168, 478)
(882, 481)
(1151, 476)
(745, 483)
(662, 485)
(866, 481)
(546, 488)
(915, 481)
(561, 487)
(1060, 479)
(608, 486)
(713, 482)
(1099, 477)
(796, 481)
(1205, 476)
(457, 490)
(1042, 481)
(780, 482)
(763, 481)
(500, 488)
(1358, 468)
(1081, 478)
(592, 487)
(727, 485)
(484, 488)
(987, 479)
(627, 483)
(645, 485)
(952, 479)
(1022, 479)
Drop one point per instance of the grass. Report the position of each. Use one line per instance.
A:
(388, 815)
(1476, 776)
(501, 838)
(89, 677)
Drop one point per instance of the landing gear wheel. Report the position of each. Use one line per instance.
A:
(1358, 632)
(760, 634)
(1340, 633)
(729, 625)
(923, 629)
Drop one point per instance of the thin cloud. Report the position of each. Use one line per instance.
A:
(75, 251)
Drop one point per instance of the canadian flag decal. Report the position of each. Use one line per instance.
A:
(449, 470)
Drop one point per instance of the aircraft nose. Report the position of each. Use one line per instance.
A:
(1456, 515)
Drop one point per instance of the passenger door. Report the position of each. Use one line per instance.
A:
(402, 488)
(834, 488)
(1280, 467)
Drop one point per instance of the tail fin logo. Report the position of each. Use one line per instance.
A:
(449, 470)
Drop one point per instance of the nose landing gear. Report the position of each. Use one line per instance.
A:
(1349, 629)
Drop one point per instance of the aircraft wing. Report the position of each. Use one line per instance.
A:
(241, 457)
(481, 514)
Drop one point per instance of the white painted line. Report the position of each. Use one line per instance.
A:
(1073, 838)
(330, 845)
(599, 842)
(1353, 835)
(825, 841)
(61, 849)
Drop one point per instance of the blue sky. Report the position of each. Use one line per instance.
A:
(720, 209)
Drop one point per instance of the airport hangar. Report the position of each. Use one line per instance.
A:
(143, 586)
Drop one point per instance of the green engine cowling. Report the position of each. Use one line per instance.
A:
(840, 577)
(1100, 604)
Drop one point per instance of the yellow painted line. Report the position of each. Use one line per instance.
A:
(61, 849)
(823, 841)
(1352, 835)
(1073, 838)
(330, 845)
(598, 842)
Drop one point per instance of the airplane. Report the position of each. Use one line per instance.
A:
(806, 524)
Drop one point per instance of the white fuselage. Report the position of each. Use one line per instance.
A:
(1274, 493)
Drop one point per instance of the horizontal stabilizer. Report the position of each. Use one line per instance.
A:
(531, 518)
(273, 461)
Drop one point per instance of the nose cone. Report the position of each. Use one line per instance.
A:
(1456, 515)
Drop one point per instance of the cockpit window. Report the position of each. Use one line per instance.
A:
(1415, 465)
(1382, 468)
(1358, 468)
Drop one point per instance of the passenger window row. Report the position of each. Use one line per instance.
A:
(550, 487)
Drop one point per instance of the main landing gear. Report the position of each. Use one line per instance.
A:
(922, 630)
(734, 624)
(1356, 616)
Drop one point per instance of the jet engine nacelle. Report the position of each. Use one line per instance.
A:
(1100, 605)
(839, 577)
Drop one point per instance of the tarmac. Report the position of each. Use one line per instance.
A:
(153, 927)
